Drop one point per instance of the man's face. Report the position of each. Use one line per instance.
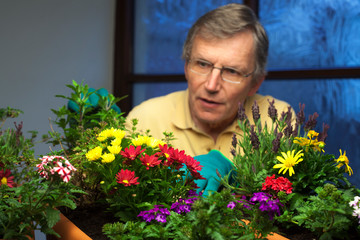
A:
(213, 101)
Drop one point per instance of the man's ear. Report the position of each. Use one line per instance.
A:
(256, 86)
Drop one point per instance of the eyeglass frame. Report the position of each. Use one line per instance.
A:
(221, 70)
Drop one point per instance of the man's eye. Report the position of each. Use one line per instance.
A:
(203, 64)
(231, 71)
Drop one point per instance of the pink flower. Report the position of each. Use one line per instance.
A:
(55, 164)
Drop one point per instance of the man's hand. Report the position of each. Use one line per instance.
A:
(212, 163)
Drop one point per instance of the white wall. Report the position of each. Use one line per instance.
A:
(44, 45)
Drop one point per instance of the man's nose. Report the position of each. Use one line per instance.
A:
(214, 80)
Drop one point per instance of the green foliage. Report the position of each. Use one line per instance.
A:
(158, 184)
(81, 122)
(27, 201)
(14, 145)
(318, 191)
(327, 213)
(209, 218)
(73, 123)
(78, 126)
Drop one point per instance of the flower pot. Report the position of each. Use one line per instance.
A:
(272, 236)
(275, 236)
(67, 230)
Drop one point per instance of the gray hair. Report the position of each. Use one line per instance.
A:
(226, 21)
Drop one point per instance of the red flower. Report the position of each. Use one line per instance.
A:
(194, 166)
(131, 153)
(279, 184)
(126, 177)
(167, 153)
(179, 156)
(150, 161)
(5, 178)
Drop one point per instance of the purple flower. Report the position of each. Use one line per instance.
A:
(161, 218)
(260, 197)
(300, 116)
(158, 213)
(241, 112)
(323, 135)
(231, 205)
(254, 138)
(146, 216)
(272, 111)
(255, 111)
(276, 142)
(234, 140)
(183, 205)
(266, 204)
(164, 211)
(311, 123)
(180, 208)
(233, 152)
(192, 193)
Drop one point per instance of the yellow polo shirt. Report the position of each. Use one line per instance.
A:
(171, 113)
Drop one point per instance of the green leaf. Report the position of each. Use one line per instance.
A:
(53, 216)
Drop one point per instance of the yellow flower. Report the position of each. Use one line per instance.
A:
(288, 161)
(107, 158)
(140, 140)
(148, 141)
(154, 143)
(116, 142)
(117, 133)
(112, 133)
(343, 160)
(313, 143)
(311, 134)
(114, 149)
(94, 154)
(302, 141)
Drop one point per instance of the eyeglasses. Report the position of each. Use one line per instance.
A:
(227, 74)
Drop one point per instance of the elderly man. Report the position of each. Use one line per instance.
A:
(225, 57)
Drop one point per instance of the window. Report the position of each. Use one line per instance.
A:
(314, 57)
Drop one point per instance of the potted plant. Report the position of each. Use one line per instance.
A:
(121, 170)
(146, 185)
(31, 189)
(282, 178)
(282, 171)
